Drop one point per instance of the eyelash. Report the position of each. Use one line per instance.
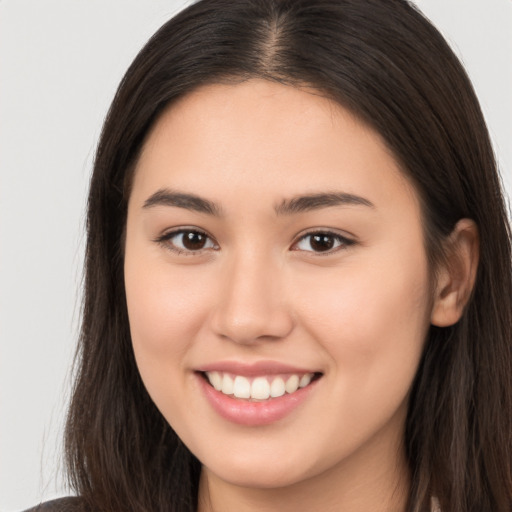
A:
(343, 242)
(165, 241)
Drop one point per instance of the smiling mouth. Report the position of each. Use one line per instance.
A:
(258, 388)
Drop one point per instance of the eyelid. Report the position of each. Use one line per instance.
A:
(165, 238)
(345, 241)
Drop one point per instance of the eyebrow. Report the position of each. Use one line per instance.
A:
(300, 204)
(320, 200)
(166, 197)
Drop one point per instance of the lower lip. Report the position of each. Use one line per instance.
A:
(254, 414)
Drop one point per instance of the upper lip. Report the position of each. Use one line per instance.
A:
(253, 369)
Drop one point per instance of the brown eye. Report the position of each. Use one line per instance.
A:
(187, 241)
(322, 242)
(193, 241)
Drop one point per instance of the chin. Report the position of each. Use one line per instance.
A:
(264, 467)
(266, 477)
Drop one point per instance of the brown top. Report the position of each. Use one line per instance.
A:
(71, 504)
(74, 504)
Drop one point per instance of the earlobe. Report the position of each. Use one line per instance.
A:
(456, 277)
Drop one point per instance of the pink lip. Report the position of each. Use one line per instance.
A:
(253, 369)
(254, 414)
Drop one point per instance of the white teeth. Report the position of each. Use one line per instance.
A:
(260, 388)
(215, 379)
(292, 384)
(227, 384)
(277, 387)
(242, 387)
(305, 380)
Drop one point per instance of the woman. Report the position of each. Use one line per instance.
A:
(298, 280)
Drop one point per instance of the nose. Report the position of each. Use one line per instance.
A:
(252, 305)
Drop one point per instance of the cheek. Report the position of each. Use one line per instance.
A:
(162, 306)
(371, 319)
(164, 315)
(371, 323)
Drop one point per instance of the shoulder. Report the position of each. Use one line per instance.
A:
(71, 504)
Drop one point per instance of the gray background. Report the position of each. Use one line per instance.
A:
(60, 63)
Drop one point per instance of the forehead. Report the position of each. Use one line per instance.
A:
(269, 140)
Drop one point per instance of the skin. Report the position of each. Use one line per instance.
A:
(260, 290)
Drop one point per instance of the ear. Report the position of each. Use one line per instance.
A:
(457, 274)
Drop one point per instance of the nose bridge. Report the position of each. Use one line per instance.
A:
(252, 303)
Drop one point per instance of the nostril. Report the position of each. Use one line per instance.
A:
(252, 328)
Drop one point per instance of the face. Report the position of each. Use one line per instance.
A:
(274, 251)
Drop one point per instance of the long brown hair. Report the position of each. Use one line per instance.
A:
(387, 64)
